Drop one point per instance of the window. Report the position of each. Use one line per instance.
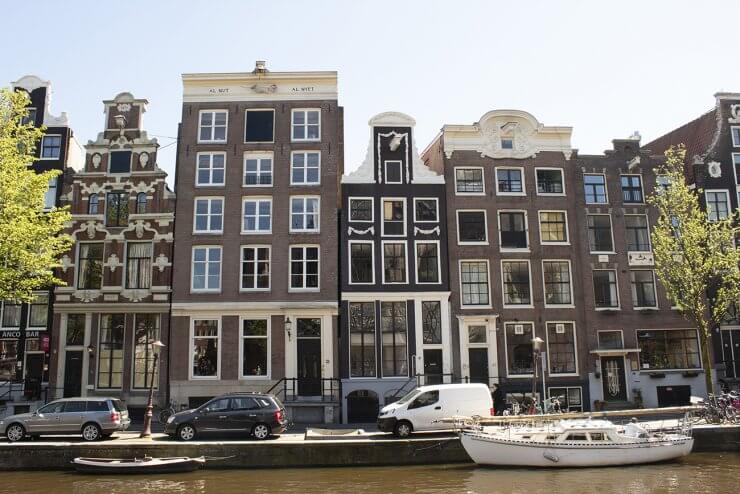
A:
(519, 348)
(255, 268)
(507, 143)
(570, 401)
(394, 217)
(735, 136)
(110, 351)
(394, 262)
(595, 189)
(517, 290)
(138, 265)
(509, 181)
(556, 276)
(549, 181)
(471, 227)
(393, 172)
(257, 170)
(141, 203)
(513, 230)
(255, 348)
(305, 167)
(427, 262)
(662, 182)
(561, 348)
(718, 204)
(605, 289)
(75, 330)
(306, 125)
(11, 314)
(393, 329)
(90, 266)
(146, 330)
(204, 348)
(38, 311)
(426, 399)
(30, 117)
(474, 283)
(362, 339)
(599, 233)
(209, 212)
(211, 169)
(9, 351)
(632, 189)
(426, 211)
(120, 162)
(643, 288)
(553, 227)
(638, 236)
(51, 147)
(736, 166)
(257, 216)
(206, 269)
(610, 340)
(50, 198)
(669, 349)
(469, 181)
(431, 322)
(304, 268)
(212, 126)
(93, 204)
(361, 262)
(361, 209)
(116, 211)
(304, 214)
(259, 126)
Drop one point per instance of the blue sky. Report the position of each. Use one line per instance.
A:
(604, 68)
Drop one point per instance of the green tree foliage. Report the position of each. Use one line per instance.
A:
(30, 239)
(695, 258)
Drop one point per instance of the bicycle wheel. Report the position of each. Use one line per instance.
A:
(163, 415)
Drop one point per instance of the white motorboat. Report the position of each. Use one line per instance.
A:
(573, 443)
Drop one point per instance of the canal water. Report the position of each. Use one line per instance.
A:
(697, 473)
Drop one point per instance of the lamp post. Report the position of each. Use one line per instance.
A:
(147, 432)
(536, 349)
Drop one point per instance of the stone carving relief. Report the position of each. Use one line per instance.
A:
(493, 132)
(123, 107)
(714, 169)
(87, 295)
(734, 114)
(370, 230)
(90, 227)
(264, 88)
(66, 263)
(418, 230)
(162, 262)
(143, 159)
(95, 160)
(135, 295)
(113, 263)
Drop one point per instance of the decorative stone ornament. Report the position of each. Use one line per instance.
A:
(735, 114)
(113, 263)
(124, 107)
(143, 159)
(264, 88)
(66, 263)
(162, 262)
(715, 169)
(96, 160)
(370, 230)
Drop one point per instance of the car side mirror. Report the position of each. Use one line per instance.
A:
(206, 410)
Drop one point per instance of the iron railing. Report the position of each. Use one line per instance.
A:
(290, 389)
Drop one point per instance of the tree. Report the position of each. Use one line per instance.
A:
(30, 239)
(695, 258)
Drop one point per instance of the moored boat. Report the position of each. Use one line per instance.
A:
(138, 465)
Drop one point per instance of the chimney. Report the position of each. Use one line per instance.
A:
(260, 67)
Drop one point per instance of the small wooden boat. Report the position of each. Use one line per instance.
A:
(138, 465)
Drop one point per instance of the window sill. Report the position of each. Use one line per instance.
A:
(472, 243)
(203, 186)
(306, 140)
(602, 253)
(304, 290)
(204, 378)
(307, 184)
(211, 142)
(256, 233)
(260, 186)
(254, 290)
(470, 193)
(515, 250)
(196, 292)
(646, 309)
(607, 309)
(395, 283)
(467, 307)
(519, 376)
(597, 203)
(551, 194)
(557, 306)
(363, 283)
(220, 232)
(304, 231)
(259, 142)
(255, 378)
(509, 306)
(554, 243)
(511, 194)
(569, 374)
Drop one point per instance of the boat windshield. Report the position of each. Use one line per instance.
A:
(408, 396)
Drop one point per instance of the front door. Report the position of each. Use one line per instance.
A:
(34, 374)
(731, 352)
(478, 362)
(72, 374)
(433, 367)
(308, 356)
(613, 379)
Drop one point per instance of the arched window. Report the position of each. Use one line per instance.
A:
(92, 207)
(141, 203)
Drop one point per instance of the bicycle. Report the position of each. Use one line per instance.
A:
(163, 414)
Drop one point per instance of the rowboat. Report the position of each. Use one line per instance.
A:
(146, 464)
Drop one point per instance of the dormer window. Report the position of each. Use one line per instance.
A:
(393, 172)
(507, 143)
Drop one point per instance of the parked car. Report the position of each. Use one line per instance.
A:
(418, 410)
(94, 418)
(257, 414)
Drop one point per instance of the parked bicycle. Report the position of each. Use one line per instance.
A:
(163, 414)
(718, 409)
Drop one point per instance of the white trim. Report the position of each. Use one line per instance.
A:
(530, 305)
(133, 388)
(489, 321)
(257, 200)
(385, 171)
(611, 231)
(643, 370)
(305, 154)
(210, 200)
(506, 348)
(226, 131)
(482, 178)
(211, 155)
(192, 270)
(606, 189)
(550, 194)
(727, 202)
(259, 156)
(382, 216)
(78, 265)
(526, 230)
(567, 228)
(191, 348)
(616, 283)
(621, 336)
(570, 285)
(655, 291)
(405, 260)
(110, 160)
(575, 349)
(380, 349)
(495, 179)
(97, 356)
(304, 261)
(374, 343)
(41, 146)
(642, 188)
(360, 198)
(488, 284)
(317, 214)
(436, 202)
(268, 375)
(372, 262)
(246, 111)
(567, 390)
(256, 263)
(305, 125)
(485, 226)
(416, 263)
(735, 131)
(736, 169)
(125, 264)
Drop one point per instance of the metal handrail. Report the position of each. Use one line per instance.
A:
(286, 388)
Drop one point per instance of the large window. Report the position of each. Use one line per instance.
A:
(549, 181)
(259, 126)
(718, 204)
(361, 262)
(431, 320)
(570, 398)
(75, 330)
(146, 330)
(599, 233)
(519, 348)
(362, 339)
(605, 289)
(595, 189)
(361, 209)
(120, 162)
(631, 189)
(394, 217)
(90, 266)
(471, 227)
(643, 288)
(509, 181)
(209, 215)
(426, 210)
(394, 262)
(256, 268)
(304, 214)
(110, 351)
(38, 311)
(427, 262)
(51, 147)
(206, 269)
(116, 211)
(474, 283)
(668, 349)
(304, 268)
(258, 169)
(638, 235)
(469, 181)
(211, 169)
(517, 290)
(561, 348)
(305, 168)
(306, 125)
(212, 126)
(204, 348)
(513, 230)
(138, 265)
(257, 215)
(557, 282)
(393, 334)
(255, 348)
(553, 227)
(11, 315)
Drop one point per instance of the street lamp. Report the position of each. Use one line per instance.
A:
(536, 349)
(147, 432)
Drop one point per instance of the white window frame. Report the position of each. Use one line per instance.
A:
(192, 269)
(642, 189)
(268, 375)
(521, 171)
(503, 286)
(305, 214)
(50, 196)
(526, 230)
(488, 282)
(211, 200)
(647, 225)
(562, 180)
(241, 267)
(616, 282)
(41, 147)
(258, 200)
(655, 291)
(245, 125)
(727, 202)
(385, 171)
(305, 154)
(305, 125)
(606, 189)
(191, 353)
(735, 166)
(290, 268)
(457, 225)
(621, 335)
(405, 259)
(213, 126)
(372, 261)
(544, 289)
(358, 198)
(611, 230)
(211, 155)
(374, 344)
(567, 227)
(382, 216)
(733, 130)
(483, 180)
(575, 349)
(436, 202)
(644, 370)
(416, 262)
(259, 156)
(506, 347)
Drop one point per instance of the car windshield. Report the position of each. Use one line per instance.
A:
(408, 397)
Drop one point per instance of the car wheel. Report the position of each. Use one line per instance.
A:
(91, 432)
(15, 433)
(403, 429)
(261, 431)
(186, 432)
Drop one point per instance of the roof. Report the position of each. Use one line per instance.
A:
(696, 135)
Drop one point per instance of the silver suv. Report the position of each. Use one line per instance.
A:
(94, 418)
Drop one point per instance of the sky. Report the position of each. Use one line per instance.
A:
(606, 68)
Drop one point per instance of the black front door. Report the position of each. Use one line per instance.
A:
(308, 355)
(34, 374)
(432, 367)
(613, 379)
(72, 374)
(731, 352)
(478, 362)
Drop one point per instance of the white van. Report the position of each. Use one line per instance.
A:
(418, 410)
